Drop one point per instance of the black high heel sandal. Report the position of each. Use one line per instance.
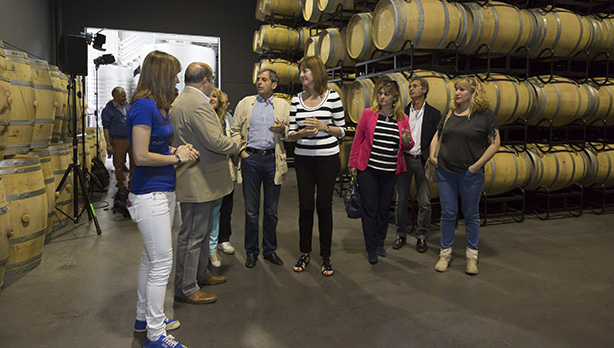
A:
(327, 267)
(302, 263)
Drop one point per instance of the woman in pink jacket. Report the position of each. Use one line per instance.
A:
(381, 137)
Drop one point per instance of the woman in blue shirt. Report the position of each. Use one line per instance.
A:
(152, 191)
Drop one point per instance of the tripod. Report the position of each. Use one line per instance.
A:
(79, 176)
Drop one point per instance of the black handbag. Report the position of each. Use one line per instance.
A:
(351, 199)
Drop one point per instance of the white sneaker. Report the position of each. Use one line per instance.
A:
(226, 248)
(215, 260)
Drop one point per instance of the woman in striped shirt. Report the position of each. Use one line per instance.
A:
(316, 124)
(382, 134)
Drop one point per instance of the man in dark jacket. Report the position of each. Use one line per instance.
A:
(116, 134)
(423, 121)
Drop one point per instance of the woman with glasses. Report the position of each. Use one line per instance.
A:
(316, 124)
(152, 191)
(467, 139)
(382, 134)
(218, 104)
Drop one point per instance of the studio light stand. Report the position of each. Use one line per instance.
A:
(73, 50)
(79, 176)
(102, 60)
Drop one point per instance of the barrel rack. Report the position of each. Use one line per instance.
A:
(543, 202)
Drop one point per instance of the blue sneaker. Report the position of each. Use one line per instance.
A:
(163, 342)
(171, 324)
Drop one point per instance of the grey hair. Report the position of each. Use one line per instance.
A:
(272, 75)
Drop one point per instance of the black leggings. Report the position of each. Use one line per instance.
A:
(225, 214)
(316, 175)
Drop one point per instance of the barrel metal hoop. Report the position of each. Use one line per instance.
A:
(516, 177)
(477, 29)
(493, 170)
(63, 202)
(24, 195)
(558, 30)
(11, 57)
(21, 123)
(59, 172)
(14, 268)
(512, 117)
(420, 22)
(50, 180)
(496, 31)
(580, 36)
(542, 27)
(577, 113)
(47, 87)
(498, 93)
(446, 29)
(4, 262)
(19, 163)
(43, 156)
(27, 238)
(4, 210)
(521, 31)
(22, 83)
(368, 41)
(35, 168)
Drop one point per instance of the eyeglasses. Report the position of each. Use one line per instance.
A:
(211, 78)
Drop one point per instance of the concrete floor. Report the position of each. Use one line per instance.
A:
(541, 284)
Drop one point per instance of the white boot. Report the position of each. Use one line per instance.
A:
(471, 262)
(445, 257)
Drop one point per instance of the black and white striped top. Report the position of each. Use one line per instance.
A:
(385, 145)
(329, 112)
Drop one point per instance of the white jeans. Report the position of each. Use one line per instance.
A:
(153, 214)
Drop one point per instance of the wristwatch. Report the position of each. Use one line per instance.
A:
(327, 130)
(178, 159)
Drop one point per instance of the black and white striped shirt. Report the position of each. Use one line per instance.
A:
(385, 145)
(329, 112)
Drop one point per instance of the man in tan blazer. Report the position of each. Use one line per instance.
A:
(262, 120)
(199, 183)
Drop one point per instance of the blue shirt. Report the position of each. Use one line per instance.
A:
(152, 179)
(114, 119)
(259, 136)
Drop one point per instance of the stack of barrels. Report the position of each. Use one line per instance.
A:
(493, 27)
(34, 124)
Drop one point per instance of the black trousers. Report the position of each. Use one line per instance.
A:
(225, 215)
(376, 189)
(315, 175)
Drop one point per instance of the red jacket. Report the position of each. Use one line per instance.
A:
(363, 141)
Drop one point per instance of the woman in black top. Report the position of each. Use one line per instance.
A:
(467, 139)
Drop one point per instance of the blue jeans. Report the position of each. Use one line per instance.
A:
(259, 171)
(469, 186)
(215, 228)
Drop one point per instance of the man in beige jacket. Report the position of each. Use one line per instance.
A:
(262, 120)
(199, 183)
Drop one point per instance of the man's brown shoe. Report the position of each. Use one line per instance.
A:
(213, 280)
(199, 297)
